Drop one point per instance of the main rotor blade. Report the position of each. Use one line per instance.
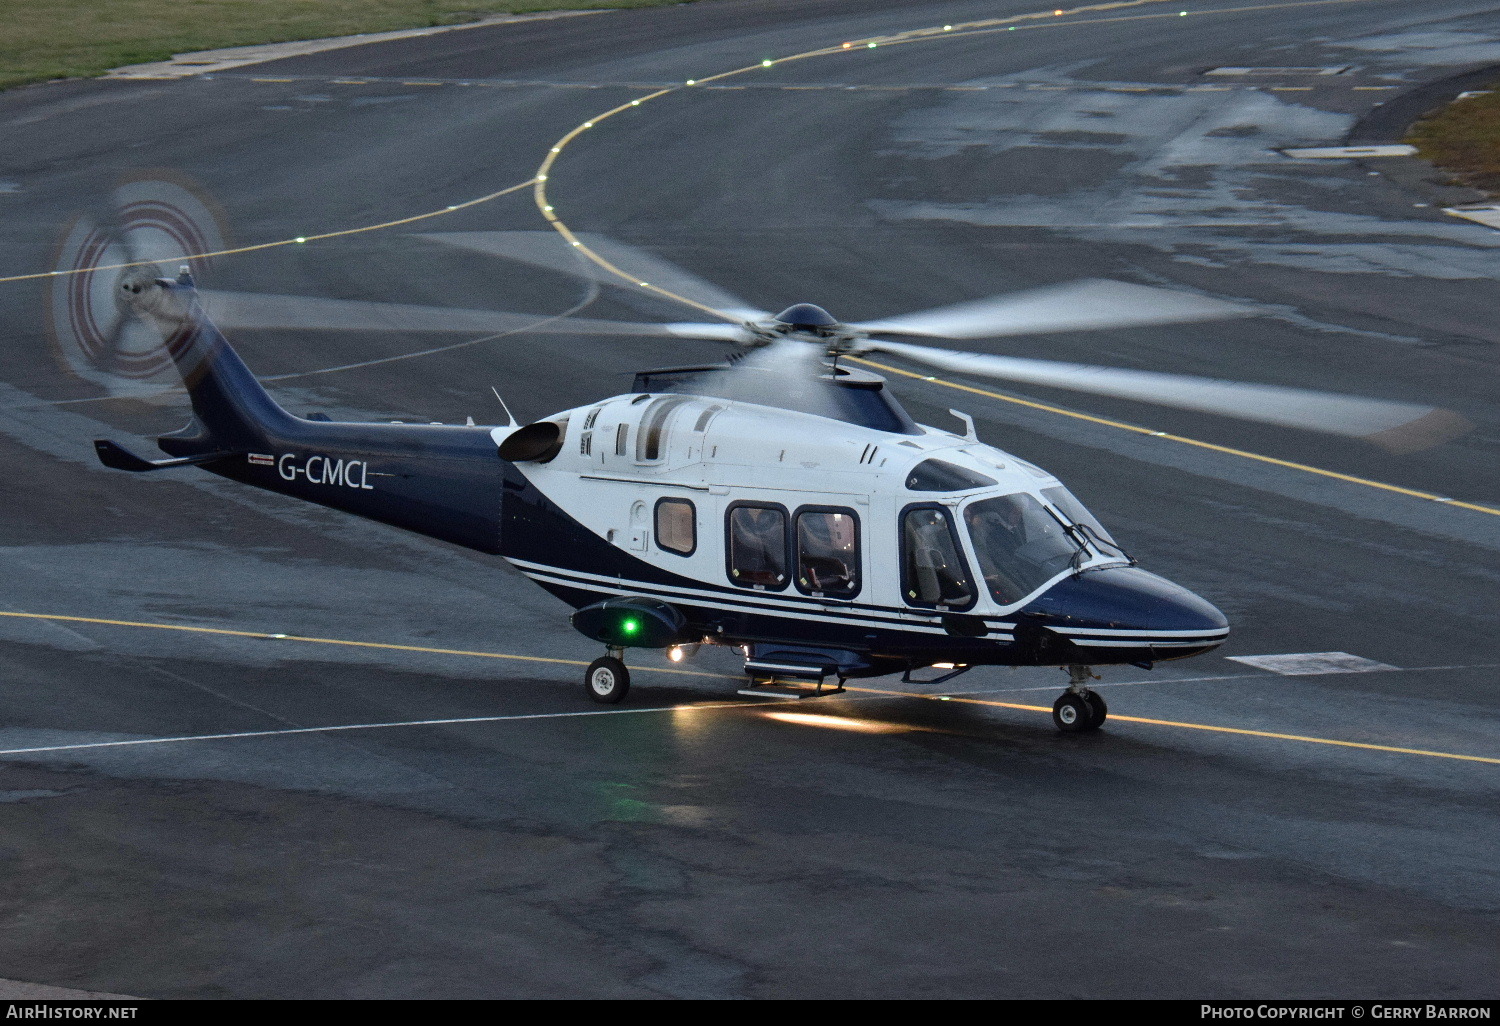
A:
(1399, 427)
(549, 249)
(258, 311)
(1084, 305)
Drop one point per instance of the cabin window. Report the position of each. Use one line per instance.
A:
(676, 526)
(622, 436)
(1021, 544)
(757, 546)
(828, 552)
(933, 572)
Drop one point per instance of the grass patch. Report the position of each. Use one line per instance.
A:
(47, 39)
(1464, 139)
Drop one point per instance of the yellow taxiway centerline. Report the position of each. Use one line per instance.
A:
(950, 32)
(873, 692)
(1214, 728)
(264, 636)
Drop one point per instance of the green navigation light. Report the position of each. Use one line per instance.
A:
(630, 626)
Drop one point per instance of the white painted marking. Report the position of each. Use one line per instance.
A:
(1309, 663)
(1341, 152)
(1244, 71)
(369, 726)
(1487, 214)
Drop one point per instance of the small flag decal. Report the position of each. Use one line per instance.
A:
(262, 460)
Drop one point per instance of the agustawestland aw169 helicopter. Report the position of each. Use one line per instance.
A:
(785, 504)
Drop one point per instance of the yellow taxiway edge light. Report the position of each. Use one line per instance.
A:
(917, 35)
(282, 242)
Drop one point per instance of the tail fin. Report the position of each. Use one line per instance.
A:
(231, 411)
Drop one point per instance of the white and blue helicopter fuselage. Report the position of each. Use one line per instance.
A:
(809, 540)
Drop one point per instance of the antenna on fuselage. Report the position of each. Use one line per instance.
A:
(512, 416)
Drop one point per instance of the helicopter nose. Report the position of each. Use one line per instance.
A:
(1123, 614)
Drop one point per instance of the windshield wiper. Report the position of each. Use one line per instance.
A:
(1083, 534)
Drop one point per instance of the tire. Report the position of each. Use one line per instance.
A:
(1101, 711)
(607, 681)
(1073, 713)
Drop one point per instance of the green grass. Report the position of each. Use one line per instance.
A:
(1464, 139)
(47, 39)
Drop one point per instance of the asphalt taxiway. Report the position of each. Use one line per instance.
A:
(252, 748)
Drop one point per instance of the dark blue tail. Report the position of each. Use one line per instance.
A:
(231, 411)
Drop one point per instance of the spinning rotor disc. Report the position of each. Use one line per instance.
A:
(155, 225)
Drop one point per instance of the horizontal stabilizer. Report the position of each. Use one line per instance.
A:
(117, 457)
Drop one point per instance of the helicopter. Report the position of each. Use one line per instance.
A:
(782, 503)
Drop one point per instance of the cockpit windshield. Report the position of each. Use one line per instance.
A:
(1020, 545)
(1095, 536)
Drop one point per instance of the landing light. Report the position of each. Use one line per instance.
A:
(675, 653)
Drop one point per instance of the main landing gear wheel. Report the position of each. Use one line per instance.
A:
(606, 680)
(1101, 711)
(1072, 713)
(1076, 712)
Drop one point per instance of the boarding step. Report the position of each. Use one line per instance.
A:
(787, 668)
(782, 689)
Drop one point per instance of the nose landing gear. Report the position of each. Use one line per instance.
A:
(607, 681)
(1079, 708)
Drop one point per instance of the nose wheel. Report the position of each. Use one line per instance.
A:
(607, 681)
(1079, 708)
